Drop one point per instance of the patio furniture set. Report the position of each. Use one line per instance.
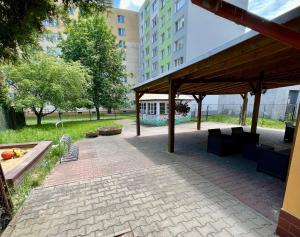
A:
(269, 161)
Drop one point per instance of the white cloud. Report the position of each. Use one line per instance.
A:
(272, 8)
(131, 4)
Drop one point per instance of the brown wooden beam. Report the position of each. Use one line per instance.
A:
(200, 99)
(195, 97)
(138, 96)
(257, 99)
(171, 124)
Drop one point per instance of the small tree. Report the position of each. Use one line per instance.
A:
(91, 42)
(43, 80)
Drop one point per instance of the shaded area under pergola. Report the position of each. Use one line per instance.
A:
(251, 63)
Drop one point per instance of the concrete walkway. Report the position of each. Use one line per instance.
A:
(129, 186)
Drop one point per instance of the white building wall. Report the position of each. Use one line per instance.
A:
(206, 31)
(273, 102)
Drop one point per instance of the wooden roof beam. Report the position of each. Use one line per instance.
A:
(242, 17)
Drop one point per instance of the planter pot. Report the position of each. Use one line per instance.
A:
(109, 131)
(91, 134)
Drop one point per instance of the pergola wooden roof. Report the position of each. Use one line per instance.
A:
(235, 67)
(251, 63)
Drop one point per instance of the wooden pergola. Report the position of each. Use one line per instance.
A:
(252, 63)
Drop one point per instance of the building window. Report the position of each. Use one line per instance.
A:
(124, 80)
(169, 13)
(178, 44)
(54, 37)
(147, 51)
(154, 51)
(50, 22)
(154, 66)
(162, 38)
(154, 37)
(155, 5)
(169, 49)
(122, 44)
(178, 61)
(169, 32)
(143, 108)
(147, 23)
(147, 63)
(148, 36)
(71, 11)
(152, 108)
(162, 21)
(147, 7)
(162, 69)
(162, 108)
(163, 3)
(162, 54)
(121, 19)
(179, 24)
(147, 75)
(179, 4)
(169, 66)
(154, 21)
(121, 31)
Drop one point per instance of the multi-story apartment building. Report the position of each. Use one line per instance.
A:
(124, 26)
(174, 32)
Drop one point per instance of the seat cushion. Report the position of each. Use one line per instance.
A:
(237, 130)
(215, 131)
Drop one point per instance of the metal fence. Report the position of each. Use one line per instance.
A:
(277, 112)
(75, 116)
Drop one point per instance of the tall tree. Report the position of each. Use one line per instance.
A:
(21, 20)
(43, 80)
(91, 42)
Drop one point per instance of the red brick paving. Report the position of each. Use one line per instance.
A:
(105, 156)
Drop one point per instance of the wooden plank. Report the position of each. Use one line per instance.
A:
(171, 119)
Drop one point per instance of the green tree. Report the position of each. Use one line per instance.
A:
(44, 80)
(21, 20)
(91, 42)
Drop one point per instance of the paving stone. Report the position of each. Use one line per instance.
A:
(206, 230)
(149, 192)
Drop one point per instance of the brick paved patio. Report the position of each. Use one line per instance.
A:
(126, 184)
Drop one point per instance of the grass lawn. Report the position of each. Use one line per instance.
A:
(267, 123)
(31, 120)
(76, 129)
(31, 133)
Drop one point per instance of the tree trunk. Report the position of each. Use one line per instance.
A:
(109, 110)
(39, 120)
(98, 113)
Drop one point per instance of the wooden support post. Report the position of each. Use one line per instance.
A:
(255, 113)
(171, 124)
(200, 99)
(244, 109)
(138, 95)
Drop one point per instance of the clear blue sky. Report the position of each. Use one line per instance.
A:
(266, 8)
